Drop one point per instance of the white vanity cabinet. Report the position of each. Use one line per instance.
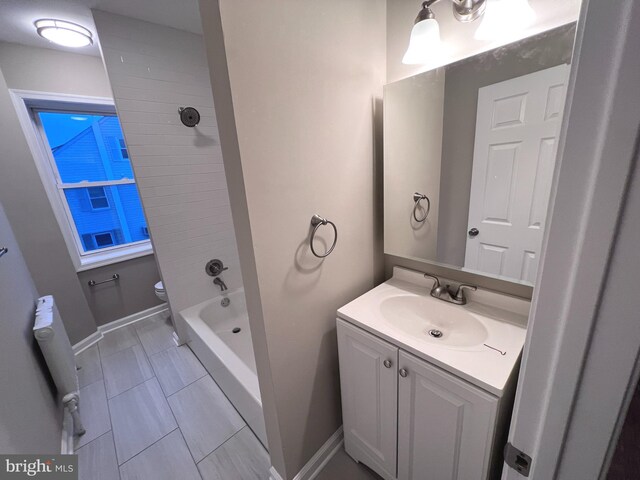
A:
(407, 419)
(369, 380)
(445, 425)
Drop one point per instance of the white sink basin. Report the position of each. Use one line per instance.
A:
(480, 342)
(426, 318)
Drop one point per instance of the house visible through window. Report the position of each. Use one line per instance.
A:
(123, 149)
(98, 198)
(104, 239)
(93, 175)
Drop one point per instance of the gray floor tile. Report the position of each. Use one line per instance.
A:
(176, 368)
(205, 416)
(169, 459)
(342, 466)
(117, 340)
(93, 412)
(89, 367)
(140, 417)
(97, 460)
(126, 369)
(156, 333)
(242, 457)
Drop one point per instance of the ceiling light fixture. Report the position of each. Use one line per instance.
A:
(64, 33)
(425, 35)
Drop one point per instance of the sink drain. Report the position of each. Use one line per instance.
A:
(435, 333)
(236, 330)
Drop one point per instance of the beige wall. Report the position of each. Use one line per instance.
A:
(47, 70)
(412, 148)
(457, 38)
(153, 70)
(30, 418)
(132, 293)
(53, 71)
(304, 80)
(29, 211)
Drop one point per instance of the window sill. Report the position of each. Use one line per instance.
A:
(110, 257)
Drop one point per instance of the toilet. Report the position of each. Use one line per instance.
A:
(160, 291)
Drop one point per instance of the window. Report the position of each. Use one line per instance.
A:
(123, 149)
(98, 198)
(104, 239)
(84, 162)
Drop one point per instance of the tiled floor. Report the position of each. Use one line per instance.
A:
(152, 412)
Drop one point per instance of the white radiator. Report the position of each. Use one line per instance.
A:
(56, 348)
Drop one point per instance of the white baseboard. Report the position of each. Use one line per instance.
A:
(92, 339)
(66, 447)
(116, 324)
(274, 475)
(136, 317)
(315, 465)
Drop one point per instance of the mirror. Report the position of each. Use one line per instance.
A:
(469, 155)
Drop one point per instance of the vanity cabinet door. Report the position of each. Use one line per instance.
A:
(369, 383)
(445, 425)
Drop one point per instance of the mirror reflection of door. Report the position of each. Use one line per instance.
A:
(517, 127)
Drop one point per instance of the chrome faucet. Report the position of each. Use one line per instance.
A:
(219, 282)
(446, 293)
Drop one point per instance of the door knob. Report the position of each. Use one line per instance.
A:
(387, 363)
(403, 373)
(474, 232)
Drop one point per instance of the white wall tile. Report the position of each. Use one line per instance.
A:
(153, 70)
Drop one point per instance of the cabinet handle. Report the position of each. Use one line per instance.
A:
(387, 363)
(403, 372)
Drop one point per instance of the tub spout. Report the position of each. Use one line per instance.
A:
(219, 282)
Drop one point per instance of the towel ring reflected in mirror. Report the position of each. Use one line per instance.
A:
(417, 198)
(316, 222)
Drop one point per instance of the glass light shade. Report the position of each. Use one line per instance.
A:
(504, 18)
(64, 33)
(425, 37)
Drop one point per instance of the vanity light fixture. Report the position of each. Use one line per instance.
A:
(505, 17)
(64, 33)
(425, 35)
(502, 16)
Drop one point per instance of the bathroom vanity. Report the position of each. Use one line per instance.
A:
(427, 386)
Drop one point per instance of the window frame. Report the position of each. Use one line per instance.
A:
(27, 103)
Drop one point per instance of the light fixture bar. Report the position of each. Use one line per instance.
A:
(466, 11)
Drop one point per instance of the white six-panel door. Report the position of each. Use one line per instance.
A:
(369, 398)
(517, 127)
(445, 425)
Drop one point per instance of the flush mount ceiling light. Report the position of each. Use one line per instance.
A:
(64, 33)
(425, 35)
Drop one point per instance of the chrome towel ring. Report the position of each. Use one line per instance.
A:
(316, 222)
(418, 197)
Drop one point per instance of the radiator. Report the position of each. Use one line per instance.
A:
(56, 349)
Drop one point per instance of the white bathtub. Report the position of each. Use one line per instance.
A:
(228, 356)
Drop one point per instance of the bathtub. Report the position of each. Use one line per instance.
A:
(228, 356)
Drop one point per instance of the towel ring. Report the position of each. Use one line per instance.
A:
(316, 222)
(418, 197)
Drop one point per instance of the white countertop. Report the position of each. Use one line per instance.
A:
(503, 316)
